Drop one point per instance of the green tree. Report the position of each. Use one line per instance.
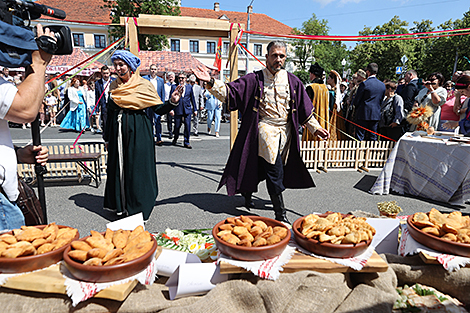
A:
(327, 53)
(387, 54)
(421, 46)
(133, 8)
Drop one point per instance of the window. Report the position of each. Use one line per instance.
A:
(100, 41)
(257, 50)
(175, 45)
(226, 48)
(194, 46)
(78, 40)
(211, 47)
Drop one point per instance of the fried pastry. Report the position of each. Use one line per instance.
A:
(230, 238)
(450, 236)
(280, 231)
(9, 239)
(78, 255)
(245, 243)
(238, 230)
(51, 231)
(273, 239)
(256, 230)
(30, 234)
(12, 253)
(334, 217)
(96, 234)
(247, 236)
(112, 254)
(223, 232)
(352, 237)
(437, 218)
(138, 250)
(120, 238)
(139, 229)
(93, 262)
(97, 242)
(80, 245)
(108, 234)
(432, 231)
(260, 224)
(339, 230)
(47, 247)
(68, 233)
(260, 242)
(231, 220)
(115, 261)
(226, 227)
(39, 242)
(246, 220)
(141, 237)
(97, 253)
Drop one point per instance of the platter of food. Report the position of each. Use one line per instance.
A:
(251, 238)
(449, 233)
(34, 247)
(110, 256)
(333, 235)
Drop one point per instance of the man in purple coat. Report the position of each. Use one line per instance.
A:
(273, 104)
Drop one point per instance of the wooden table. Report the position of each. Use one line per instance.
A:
(302, 262)
(80, 158)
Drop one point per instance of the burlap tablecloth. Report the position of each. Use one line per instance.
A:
(305, 291)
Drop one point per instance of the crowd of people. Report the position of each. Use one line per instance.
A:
(369, 108)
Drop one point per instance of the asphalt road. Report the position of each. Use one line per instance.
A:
(188, 196)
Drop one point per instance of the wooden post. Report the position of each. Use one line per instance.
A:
(233, 57)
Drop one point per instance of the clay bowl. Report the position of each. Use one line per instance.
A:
(436, 243)
(34, 262)
(251, 253)
(341, 251)
(102, 274)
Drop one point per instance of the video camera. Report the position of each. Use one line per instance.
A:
(17, 39)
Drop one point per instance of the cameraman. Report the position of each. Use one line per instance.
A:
(20, 105)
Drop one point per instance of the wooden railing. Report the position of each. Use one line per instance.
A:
(67, 169)
(359, 155)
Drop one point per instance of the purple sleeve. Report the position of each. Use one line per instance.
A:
(240, 92)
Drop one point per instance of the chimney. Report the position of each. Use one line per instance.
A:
(216, 7)
(250, 9)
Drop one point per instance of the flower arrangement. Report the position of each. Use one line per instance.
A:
(190, 240)
(419, 116)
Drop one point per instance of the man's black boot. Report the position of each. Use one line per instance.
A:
(249, 204)
(279, 208)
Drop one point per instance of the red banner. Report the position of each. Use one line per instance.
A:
(218, 55)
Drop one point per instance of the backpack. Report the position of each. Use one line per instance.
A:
(29, 204)
(388, 113)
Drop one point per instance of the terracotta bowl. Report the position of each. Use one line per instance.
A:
(102, 274)
(341, 251)
(251, 253)
(34, 262)
(437, 243)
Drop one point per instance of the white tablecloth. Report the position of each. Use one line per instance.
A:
(429, 168)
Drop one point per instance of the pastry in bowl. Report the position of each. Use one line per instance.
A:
(251, 238)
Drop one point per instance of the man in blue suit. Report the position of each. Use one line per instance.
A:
(367, 101)
(183, 112)
(102, 85)
(158, 83)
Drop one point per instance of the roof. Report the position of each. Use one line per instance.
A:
(93, 11)
(258, 22)
(168, 61)
(80, 10)
(77, 56)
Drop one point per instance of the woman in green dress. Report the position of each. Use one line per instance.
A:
(131, 185)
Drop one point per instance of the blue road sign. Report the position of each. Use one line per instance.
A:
(399, 70)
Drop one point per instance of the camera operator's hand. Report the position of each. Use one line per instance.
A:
(25, 105)
(40, 56)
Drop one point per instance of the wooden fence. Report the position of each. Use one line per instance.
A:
(359, 155)
(317, 155)
(67, 169)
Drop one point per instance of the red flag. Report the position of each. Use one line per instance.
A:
(218, 55)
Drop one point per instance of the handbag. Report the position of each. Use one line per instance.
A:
(29, 204)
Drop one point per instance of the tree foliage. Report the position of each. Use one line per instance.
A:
(327, 53)
(132, 8)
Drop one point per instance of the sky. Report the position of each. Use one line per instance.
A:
(345, 17)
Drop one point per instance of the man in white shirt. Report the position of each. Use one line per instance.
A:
(170, 76)
(19, 105)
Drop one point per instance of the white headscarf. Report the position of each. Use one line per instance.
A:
(338, 96)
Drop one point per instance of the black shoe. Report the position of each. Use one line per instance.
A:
(170, 136)
(279, 208)
(195, 134)
(187, 146)
(173, 143)
(159, 143)
(249, 204)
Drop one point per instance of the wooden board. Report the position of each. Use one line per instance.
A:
(302, 262)
(50, 280)
(430, 259)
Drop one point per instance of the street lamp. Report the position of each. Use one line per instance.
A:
(343, 63)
